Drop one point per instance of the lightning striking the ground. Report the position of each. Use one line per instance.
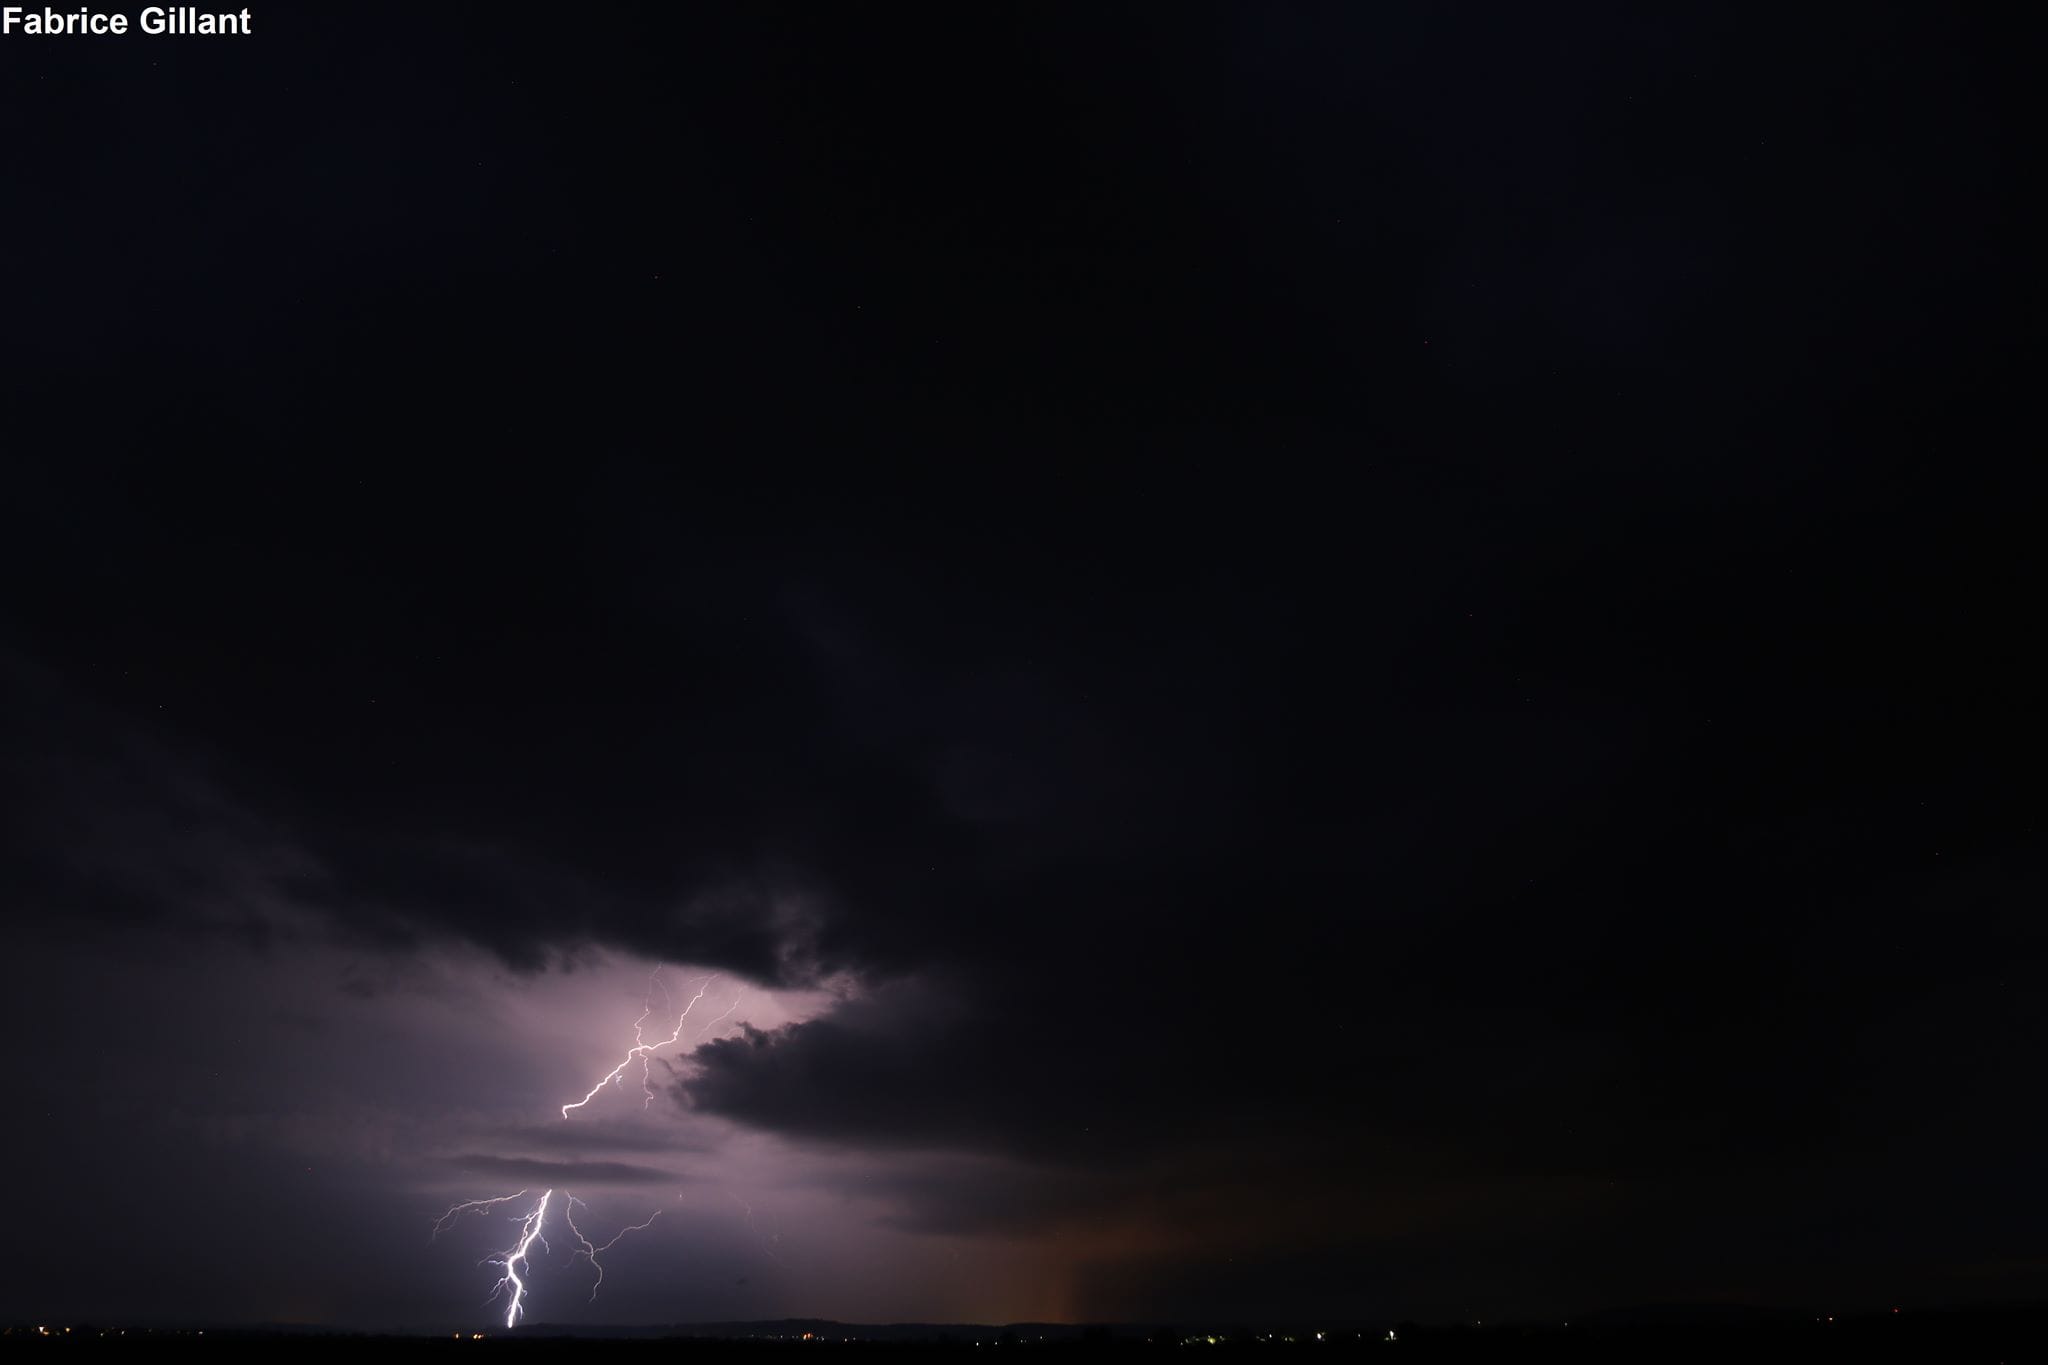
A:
(513, 1257)
(518, 1257)
(516, 1260)
(568, 1212)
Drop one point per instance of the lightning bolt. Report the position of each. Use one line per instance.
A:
(766, 1249)
(639, 1039)
(513, 1257)
(641, 1050)
(456, 1211)
(568, 1212)
(716, 1020)
(517, 1258)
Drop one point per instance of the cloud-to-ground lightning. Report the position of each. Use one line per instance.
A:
(569, 1212)
(516, 1260)
(515, 1256)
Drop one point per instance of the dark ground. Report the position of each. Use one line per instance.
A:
(1961, 1337)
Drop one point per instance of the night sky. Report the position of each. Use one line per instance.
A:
(1287, 661)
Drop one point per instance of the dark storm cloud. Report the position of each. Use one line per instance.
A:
(113, 820)
(866, 1074)
(559, 1173)
(131, 815)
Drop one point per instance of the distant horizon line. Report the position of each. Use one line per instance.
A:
(1669, 1314)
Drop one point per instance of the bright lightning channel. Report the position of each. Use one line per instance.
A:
(515, 1256)
(642, 1049)
(518, 1256)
